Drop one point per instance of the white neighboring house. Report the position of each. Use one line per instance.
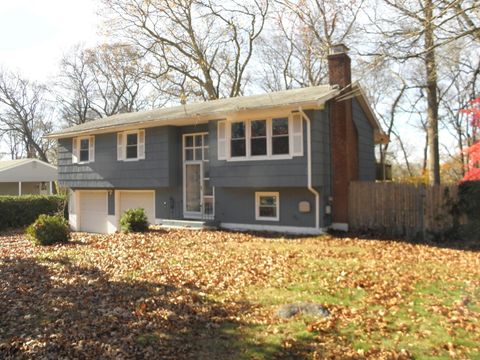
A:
(27, 177)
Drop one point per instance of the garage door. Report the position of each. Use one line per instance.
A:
(138, 199)
(93, 211)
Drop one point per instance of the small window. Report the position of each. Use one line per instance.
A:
(84, 149)
(267, 206)
(258, 138)
(280, 143)
(132, 146)
(238, 148)
(196, 147)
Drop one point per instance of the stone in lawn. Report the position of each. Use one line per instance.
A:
(289, 310)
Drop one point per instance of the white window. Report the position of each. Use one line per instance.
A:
(258, 137)
(267, 206)
(83, 149)
(238, 139)
(280, 137)
(261, 139)
(131, 145)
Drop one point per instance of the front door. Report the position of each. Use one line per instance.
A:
(197, 192)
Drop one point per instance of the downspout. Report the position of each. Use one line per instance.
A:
(309, 169)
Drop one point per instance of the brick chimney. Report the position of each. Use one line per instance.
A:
(343, 135)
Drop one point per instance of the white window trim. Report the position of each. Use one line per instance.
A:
(257, 206)
(269, 156)
(91, 149)
(124, 145)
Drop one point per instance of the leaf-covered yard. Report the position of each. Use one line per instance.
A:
(211, 294)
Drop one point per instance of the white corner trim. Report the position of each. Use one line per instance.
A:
(339, 226)
(111, 224)
(297, 230)
(72, 221)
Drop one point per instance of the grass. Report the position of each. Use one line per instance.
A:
(208, 294)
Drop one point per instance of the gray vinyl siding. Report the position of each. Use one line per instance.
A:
(107, 172)
(237, 205)
(111, 202)
(321, 159)
(169, 203)
(366, 144)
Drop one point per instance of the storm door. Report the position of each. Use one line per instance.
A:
(198, 195)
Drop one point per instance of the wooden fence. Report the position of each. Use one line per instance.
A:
(403, 210)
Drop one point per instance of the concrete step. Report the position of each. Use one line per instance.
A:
(185, 224)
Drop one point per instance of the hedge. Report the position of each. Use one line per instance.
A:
(20, 211)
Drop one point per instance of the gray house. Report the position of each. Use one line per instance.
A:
(279, 162)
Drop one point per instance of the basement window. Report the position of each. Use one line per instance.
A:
(267, 206)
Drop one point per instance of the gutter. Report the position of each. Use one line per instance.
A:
(309, 169)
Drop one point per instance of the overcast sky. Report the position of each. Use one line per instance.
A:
(34, 34)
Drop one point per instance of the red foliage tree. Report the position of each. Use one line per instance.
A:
(473, 151)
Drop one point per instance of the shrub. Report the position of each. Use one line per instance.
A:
(134, 220)
(19, 211)
(49, 229)
(469, 205)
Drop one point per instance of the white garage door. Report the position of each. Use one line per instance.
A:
(138, 199)
(93, 211)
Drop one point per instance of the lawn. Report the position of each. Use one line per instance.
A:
(213, 295)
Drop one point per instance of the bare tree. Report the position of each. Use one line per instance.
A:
(23, 113)
(101, 81)
(202, 48)
(14, 144)
(294, 52)
(459, 79)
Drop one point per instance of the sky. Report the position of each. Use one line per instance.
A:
(34, 34)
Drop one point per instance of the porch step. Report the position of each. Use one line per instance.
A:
(185, 224)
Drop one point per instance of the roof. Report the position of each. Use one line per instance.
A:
(26, 170)
(6, 164)
(207, 110)
(307, 98)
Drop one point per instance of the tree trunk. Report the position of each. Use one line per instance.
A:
(432, 116)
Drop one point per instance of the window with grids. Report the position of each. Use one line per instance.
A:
(196, 147)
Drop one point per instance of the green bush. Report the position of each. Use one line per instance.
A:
(134, 220)
(19, 211)
(48, 230)
(469, 205)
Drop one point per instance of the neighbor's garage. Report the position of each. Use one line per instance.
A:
(138, 199)
(93, 211)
